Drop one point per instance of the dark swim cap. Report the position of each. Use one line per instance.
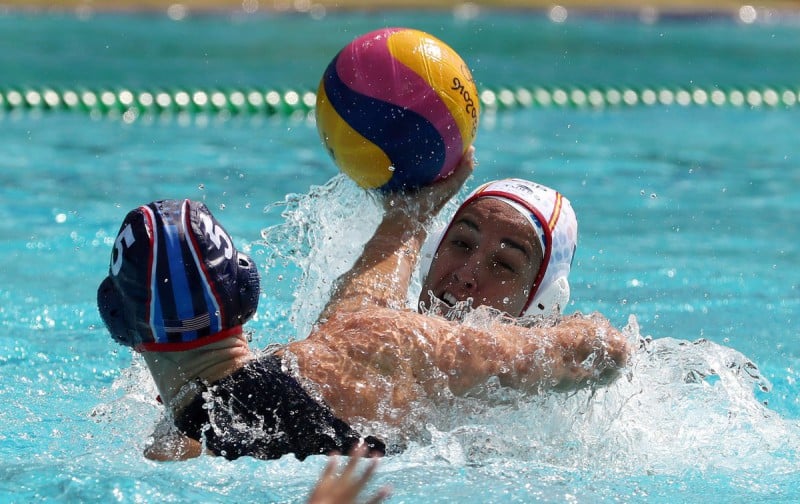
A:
(176, 281)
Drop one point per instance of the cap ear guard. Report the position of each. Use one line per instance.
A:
(249, 283)
(123, 296)
(429, 247)
(550, 300)
(112, 311)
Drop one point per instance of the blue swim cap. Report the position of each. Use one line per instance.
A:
(176, 281)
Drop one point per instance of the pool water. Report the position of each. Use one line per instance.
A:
(687, 239)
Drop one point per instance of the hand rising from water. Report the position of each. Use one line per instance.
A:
(344, 488)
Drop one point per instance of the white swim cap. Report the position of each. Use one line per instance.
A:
(556, 226)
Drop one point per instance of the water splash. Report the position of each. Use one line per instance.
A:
(678, 406)
(321, 235)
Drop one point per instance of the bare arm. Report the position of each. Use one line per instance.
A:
(345, 488)
(382, 274)
(576, 349)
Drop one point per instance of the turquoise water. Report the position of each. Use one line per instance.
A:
(687, 223)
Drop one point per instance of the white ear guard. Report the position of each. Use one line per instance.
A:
(429, 248)
(551, 299)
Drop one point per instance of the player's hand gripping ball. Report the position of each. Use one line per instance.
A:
(396, 109)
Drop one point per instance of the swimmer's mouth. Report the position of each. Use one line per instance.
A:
(449, 299)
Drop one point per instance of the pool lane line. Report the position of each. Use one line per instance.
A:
(602, 97)
(132, 103)
(137, 102)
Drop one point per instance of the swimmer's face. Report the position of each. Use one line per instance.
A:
(490, 253)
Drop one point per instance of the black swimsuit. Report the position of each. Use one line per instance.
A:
(262, 412)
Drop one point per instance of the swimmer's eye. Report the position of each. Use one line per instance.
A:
(504, 265)
(461, 244)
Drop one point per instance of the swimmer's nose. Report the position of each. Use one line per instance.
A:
(465, 277)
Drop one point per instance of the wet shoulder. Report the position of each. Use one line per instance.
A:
(375, 320)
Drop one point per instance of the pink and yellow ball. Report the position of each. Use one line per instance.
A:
(396, 109)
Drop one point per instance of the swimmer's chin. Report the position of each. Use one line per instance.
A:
(448, 307)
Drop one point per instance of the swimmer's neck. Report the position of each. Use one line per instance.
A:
(172, 371)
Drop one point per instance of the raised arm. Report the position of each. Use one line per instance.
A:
(382, 274)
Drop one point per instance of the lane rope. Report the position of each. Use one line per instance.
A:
(132, 103)
(600, 97)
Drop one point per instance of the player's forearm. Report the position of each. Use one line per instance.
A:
(382, 274)
(576, 350)
(565, 355)
(470, 357)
